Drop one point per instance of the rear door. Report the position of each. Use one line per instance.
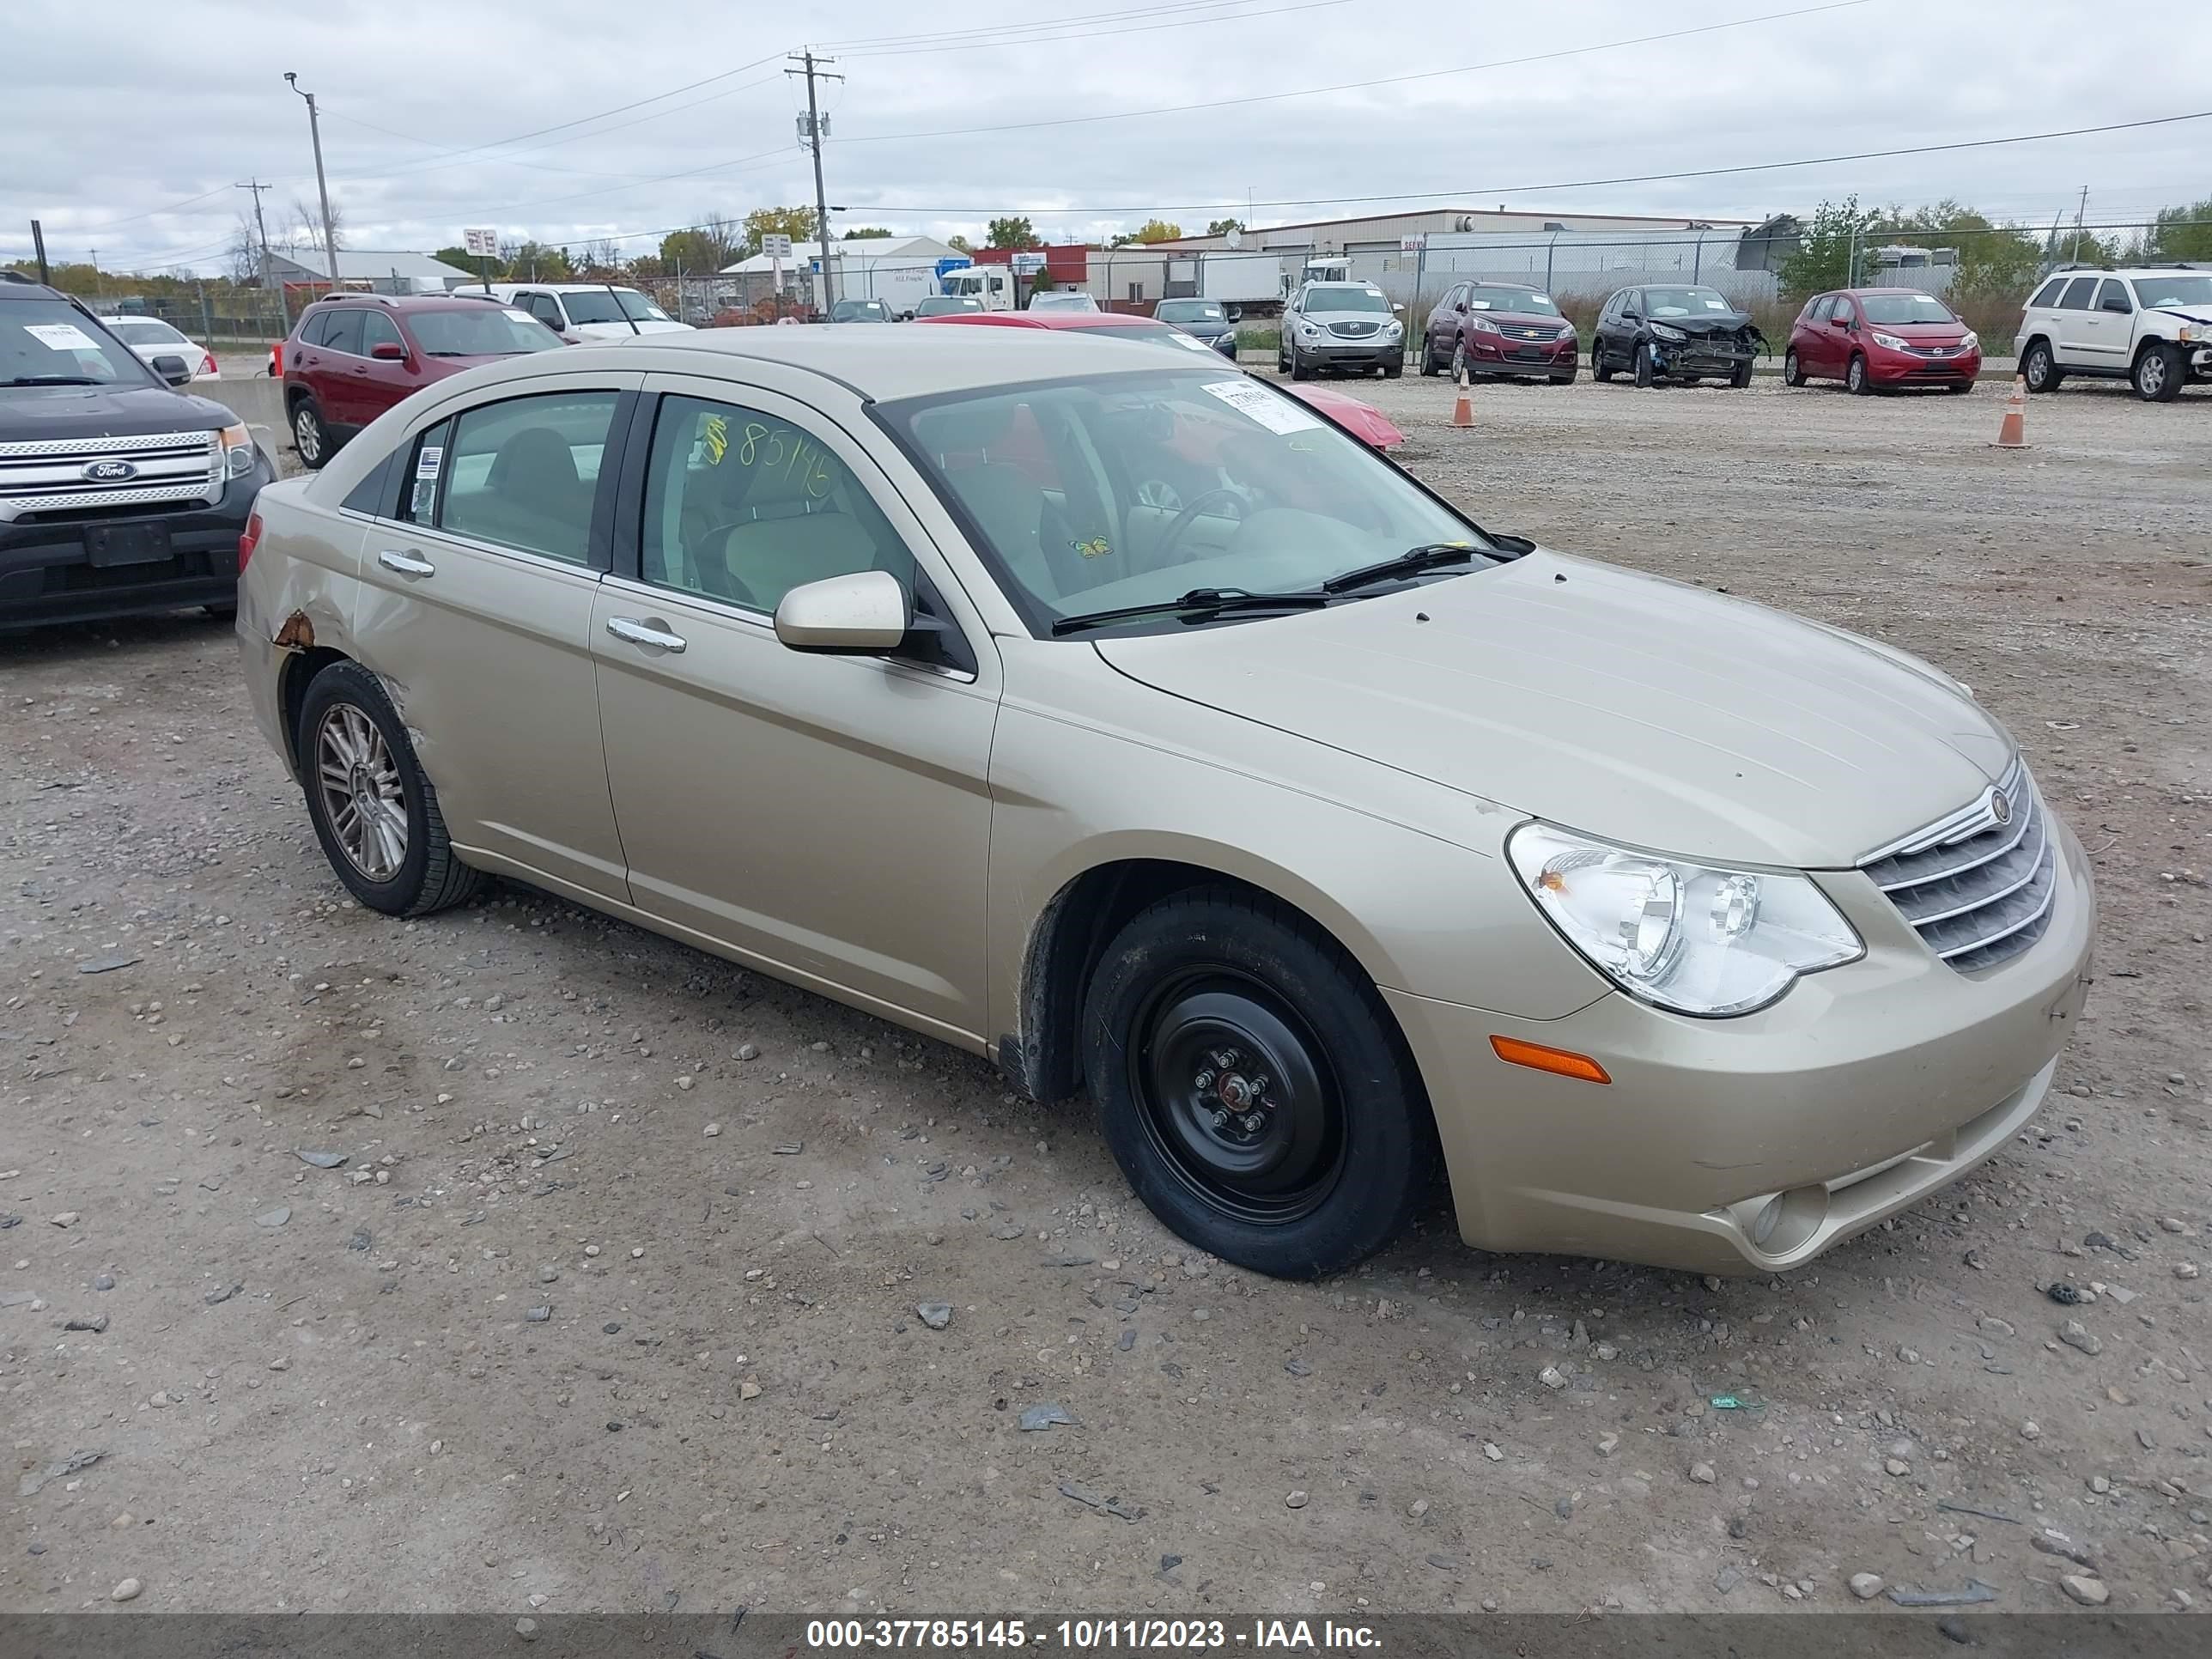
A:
(2073, 325)
(1444, 323)
(475, 607)
(328, 369)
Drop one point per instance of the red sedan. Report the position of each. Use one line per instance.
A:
(1871, 338)
(1363, 420)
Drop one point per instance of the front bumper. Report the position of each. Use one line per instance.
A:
(1490, 355)
(1886, 368)
(47, 576)
(1332, 353)
(2200, 362)
(1699, 356)
(1860, 1092)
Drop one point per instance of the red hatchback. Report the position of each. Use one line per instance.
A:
(1873, 338)
(353, 357)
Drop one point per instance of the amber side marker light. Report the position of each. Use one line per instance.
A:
(1537, 1057)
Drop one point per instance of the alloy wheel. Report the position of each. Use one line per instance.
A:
(308, 434)
(359, 780)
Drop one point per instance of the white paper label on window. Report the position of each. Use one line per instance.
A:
(1276, 413)
(62, 337)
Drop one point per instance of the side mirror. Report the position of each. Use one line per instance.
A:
(388, 351)
(2119, 304)
(1398, 310)
(864, 614)
(1460, 305)
(174, 370)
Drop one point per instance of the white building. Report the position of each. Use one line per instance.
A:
(378, 271)
(897, 269)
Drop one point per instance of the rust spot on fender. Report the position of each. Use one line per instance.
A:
(297, 633)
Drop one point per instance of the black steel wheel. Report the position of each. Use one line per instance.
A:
(1253, 1087)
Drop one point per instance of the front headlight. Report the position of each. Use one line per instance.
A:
(1482, 326)
(2193, 333)
(1685, 936)
(1889, 342)
(237, 451)
(1667, 331)
(1393, 331)
(1971, 342)
(1311, 331)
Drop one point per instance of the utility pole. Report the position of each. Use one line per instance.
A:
(813, 127)
(2081, 213)
(261, 232)
(322, 187)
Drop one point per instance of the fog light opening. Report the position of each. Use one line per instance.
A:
(1768, 1218)
(1782, 1222)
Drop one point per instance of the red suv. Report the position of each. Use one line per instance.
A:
(1870, 337)
(1501, 328)
(353, 357)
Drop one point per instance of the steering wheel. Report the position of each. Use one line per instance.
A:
(1183, 521)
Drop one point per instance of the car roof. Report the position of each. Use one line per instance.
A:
(1047, 318)
(563, 287)
(889, 363)
(458, 299)
(13, 285)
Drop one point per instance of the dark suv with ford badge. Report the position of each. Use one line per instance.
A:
(121, 494)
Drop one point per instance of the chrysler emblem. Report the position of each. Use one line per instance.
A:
(110, 472)
(2001, 806)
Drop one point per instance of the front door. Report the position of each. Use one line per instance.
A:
(476, 600)
(826, 815)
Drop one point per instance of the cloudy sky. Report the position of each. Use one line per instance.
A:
(571, 119)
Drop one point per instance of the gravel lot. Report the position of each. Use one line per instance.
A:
(321, 1388)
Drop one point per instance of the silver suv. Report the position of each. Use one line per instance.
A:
(1341, 326)
(2150, 325)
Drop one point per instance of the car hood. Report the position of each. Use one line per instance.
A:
(32, 413)
(1205, 331)
(1365, 421)
(1626, 706)
(1709, 323)
(1330, 319)
(1519, 319)
(2199, 315)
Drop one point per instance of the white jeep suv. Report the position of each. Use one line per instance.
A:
(2150, 325)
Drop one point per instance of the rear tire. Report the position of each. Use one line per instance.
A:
(2158, 374)
(309, 435)
(1215, 1009)
(2039, 369)
(1793, 372)
(1643, 370)
(1429, 363)
(373, 808)
(1601, 371)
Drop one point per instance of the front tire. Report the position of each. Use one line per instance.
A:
(1298, 369)
(1643, 370)
(309, 436)
(2039, 369)
(2158, 375)
(1252, 1086)
(1567, 379)
(373, 808)
(1854, 377)
(1793, 372)
(1741, 378)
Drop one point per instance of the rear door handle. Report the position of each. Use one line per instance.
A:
(407, 564)
(644, 633)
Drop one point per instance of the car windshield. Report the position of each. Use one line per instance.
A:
(480, 331)
(1345, 297)
(1684, 302)
(1153, 333)
(638, 307)
(593, 305)
(2179, 289)
(52, 343)
(1189, 310)
(859, 311)
(1137, 488)
(944, 305)
(1062, 300)
(1894, 309)
(1511, 299)
(144, 331)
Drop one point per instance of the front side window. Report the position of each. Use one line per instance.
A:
(376, 330)
(1137, 488)
(2112, 295)
(744, 506)
(546, 310)
(52, 343)
(524, 473)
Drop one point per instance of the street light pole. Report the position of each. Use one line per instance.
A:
(322, 187)
(815, 126)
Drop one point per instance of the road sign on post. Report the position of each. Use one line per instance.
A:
(777, 246)
(1027, 265)
(483, 243)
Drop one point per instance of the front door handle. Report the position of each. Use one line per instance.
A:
(644, 633)
(407, 564)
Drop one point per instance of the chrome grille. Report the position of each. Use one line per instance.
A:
(1977, 886)
(1528, 331)
(1353, 330)
(47, 475)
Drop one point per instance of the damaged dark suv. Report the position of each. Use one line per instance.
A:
(120, 494)
(1678, 335)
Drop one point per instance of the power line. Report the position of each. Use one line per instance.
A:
(1355, 86)
(1488, 190)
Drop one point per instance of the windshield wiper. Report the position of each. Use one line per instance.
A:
(54, 379)
(1200, 601)
(1433, 556)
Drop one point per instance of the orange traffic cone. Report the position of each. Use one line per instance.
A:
(1463, 410)
(2012, 433)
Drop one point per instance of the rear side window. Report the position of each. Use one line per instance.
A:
(311, 327)
(418, 501)
(525, 473)
(2047, 296)
(2076, 297)
(342, 330)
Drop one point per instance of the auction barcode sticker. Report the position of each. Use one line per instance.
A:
(1276, 413)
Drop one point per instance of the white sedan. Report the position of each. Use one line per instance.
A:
(151, 338)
